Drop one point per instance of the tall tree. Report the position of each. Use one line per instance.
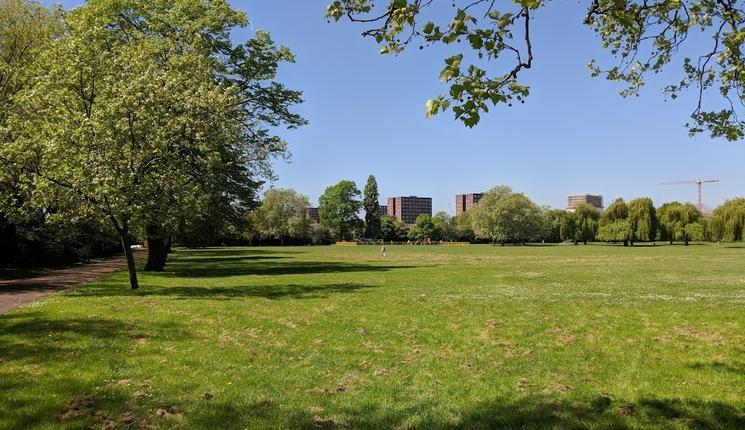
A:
(727, 222)
(130, 117)
(391, 229)
(614, 225)
(643, 220)
(464, 227)
(372, 208)
(338, 208)
(568, 227)
(425, 229)
(493, 46)
(586, 223)
(676, 222)
(502, 215)
(26, 29)
(282, 215)
(445, 226)
(552, 220)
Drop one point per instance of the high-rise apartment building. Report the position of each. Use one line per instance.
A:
(406, 209)
(590, 199)
(465, 202)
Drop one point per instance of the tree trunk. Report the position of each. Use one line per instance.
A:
(130, 263)
(157, 249)
(625, 242)
(123, 231)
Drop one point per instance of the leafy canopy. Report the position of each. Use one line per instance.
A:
(282, 214)
(338, 208)
(503, 215)
(493, 46)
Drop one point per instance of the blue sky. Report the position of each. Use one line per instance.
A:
(573, 135)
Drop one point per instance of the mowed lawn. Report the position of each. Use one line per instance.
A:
(427, 337)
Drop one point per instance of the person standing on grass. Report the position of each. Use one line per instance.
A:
(382, 251)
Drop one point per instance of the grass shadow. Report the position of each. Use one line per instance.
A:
(56, 338)
(532, 412)
(716, 366)
(272, 292)
(262, 267)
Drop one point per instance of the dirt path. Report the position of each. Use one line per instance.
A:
(17, 292)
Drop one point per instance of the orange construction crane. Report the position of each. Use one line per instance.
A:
(699, 183)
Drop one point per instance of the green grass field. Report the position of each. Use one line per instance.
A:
(428, 337)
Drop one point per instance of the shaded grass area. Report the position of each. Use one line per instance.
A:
(476, 337)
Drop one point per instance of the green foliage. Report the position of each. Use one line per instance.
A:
(444, 227)
(727, 222)
(568, 227)
(464, 227)
(282, 215)
(143, 114)
(586, 222)
(44, 240)
(372, 208)
(696, 232)
(617, 211)
(615, 231)
(426, 229)
(490, 46)
(552, 220)
(643, 220)
(27, 28)
(677, 222)
(338, 208)
(393, 230)
(502, 215)
(614, 225)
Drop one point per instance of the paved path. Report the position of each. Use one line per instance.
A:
(17, 292)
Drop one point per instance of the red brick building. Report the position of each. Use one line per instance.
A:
(406, 209)
(464, 202)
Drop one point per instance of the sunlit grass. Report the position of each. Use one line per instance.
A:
(428, 337)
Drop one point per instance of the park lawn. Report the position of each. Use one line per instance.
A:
(427, 337)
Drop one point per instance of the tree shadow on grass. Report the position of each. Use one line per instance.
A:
(185, 268)
(603, 413)
(34, 335)
(532, 412)
(39, 355)
(716, 366)
(272, 292)
(217, 252)
(221, 259)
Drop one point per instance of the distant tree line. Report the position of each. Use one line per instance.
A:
(502, 216)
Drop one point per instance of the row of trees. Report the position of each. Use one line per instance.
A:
(339, 209)
(139, 115)
(502, 216)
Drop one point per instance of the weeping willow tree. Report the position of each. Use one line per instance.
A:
(642, 220)
(727, 222)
